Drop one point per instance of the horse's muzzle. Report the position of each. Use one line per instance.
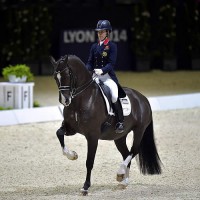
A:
(68, 101)
(65, 100)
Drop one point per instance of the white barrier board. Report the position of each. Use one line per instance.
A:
(30, 115)
(54, 113)
(175, 102)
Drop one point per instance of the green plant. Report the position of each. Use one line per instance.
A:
(36, 104)
(28, 31)
(167, 28)
(8, 108)
(18, 70)
(193, 16)
(141, 33)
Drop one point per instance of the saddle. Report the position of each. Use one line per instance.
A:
(124, 99)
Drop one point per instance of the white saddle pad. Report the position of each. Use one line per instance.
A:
(126, 104)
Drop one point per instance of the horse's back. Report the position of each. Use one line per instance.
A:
(140, 106)
(135, 95)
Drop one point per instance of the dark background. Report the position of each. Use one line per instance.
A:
(162, 34)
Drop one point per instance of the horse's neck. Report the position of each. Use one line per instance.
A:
(89, 94)
(83, 76)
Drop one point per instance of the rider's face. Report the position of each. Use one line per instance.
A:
(102, 34)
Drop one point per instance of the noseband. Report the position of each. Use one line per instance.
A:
(74, 91)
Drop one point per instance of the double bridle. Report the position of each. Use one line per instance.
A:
(74, 91)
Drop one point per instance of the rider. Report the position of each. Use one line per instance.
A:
(102, 60)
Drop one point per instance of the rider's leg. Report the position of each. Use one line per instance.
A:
(119, 128)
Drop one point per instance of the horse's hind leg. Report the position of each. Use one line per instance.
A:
(138, 134)
(138, 137)
(123, 172)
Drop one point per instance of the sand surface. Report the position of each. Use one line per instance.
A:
(33, 167)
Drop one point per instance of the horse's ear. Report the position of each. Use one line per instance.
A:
(65, 59)
(53, 62)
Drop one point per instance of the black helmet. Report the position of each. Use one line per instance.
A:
(103, 25)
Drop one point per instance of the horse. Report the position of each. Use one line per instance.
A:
(85, 112)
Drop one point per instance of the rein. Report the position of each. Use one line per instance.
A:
(74, 91)
(82, 88)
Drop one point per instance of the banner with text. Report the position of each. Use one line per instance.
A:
(78, 42)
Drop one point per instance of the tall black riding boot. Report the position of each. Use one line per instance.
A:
(119, 128)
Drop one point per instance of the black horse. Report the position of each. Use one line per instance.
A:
(85, 113)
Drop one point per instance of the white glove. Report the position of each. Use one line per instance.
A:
(98, 71)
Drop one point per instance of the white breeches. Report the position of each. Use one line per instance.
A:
(112, 85)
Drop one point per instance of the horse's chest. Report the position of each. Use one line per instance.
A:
(77, 118)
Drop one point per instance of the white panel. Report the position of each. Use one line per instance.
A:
(9, 96)
(16, 95)
(7, 117)
(38, 114)
(1, 96)
(53, 113)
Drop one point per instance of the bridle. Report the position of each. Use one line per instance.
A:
(74, 91)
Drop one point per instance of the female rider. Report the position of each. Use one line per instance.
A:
(101, 61)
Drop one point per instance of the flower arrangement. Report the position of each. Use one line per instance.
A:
(28, 28)
(167, 29)
(141, 33)
(193, 16)
(20, 71)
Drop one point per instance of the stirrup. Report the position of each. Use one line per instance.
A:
(119, 128)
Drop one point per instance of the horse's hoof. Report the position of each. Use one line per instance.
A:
(71, 155)
(124, 183)
(84, 192)
(121, 172)
(120, 177)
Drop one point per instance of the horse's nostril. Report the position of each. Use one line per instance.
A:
(67, 101)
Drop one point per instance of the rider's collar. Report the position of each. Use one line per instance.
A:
(105, 42)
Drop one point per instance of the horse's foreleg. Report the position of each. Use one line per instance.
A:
(92, 147)
(61, 139)
(60, 134)
(71, 155)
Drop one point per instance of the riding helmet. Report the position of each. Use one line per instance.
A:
(103, 25)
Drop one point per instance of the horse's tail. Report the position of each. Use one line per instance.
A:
(149, 160)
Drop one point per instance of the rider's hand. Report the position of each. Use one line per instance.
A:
(98, 71)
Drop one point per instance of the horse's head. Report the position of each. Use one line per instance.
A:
(71, 76)
(64, 79)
